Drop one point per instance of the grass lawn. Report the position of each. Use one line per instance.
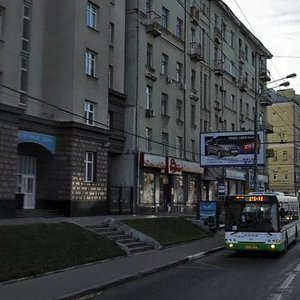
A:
(168, 231)
(33, 249)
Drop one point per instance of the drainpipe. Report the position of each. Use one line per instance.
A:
(136, 169)
(184, 82)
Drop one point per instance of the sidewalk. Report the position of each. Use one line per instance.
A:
(84, 280)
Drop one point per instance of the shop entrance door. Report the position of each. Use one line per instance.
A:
(28, 185)
(27, 180)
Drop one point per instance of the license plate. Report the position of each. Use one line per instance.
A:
(251, 247)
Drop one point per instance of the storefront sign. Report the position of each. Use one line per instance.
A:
(234, 174)
(179, 166)
(47, 141)
(152, 161)
(173, 167)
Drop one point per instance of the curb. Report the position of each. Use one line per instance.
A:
(110, 284)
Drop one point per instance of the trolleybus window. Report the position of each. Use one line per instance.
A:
(251, 216)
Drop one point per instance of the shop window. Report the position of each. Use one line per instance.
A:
(179, 197)
(149, 189)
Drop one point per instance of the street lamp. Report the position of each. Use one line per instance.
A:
(284, 84)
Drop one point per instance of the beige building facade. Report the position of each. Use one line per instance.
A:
(284, 166)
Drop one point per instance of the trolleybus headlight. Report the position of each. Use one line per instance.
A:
(230, 245)
(272, 246)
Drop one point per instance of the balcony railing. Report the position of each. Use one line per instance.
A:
(218, 35)
(219, 66)
(243, 84)
(152, 23)
(196, 52)
(264, 74)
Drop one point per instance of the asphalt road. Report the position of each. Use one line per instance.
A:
(224, 275)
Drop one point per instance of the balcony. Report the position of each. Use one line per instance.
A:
(265, 100)
(242, 118)
(195, 14)
(150, 73)
(149, 113)
(152, 24)
(265, 126)
(242, 56)
(218, 106)
(196, 53)
(243, 84)
(264, 74)
(218, 35)
(219, 67)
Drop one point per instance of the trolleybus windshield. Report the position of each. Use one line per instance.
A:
(252, 216)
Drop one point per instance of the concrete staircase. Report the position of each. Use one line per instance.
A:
(125, 240)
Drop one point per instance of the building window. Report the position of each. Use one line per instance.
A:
(111, 32)
(232, 39)
(110, 76)
(223, 27)
(165, 18)
(193, 79)
(275, 176)
(149, 55)
(178, 72)
(246, 52)
(193, 115)
(179, 145)
(193, 143)
(247, 109)
(26, 28)
(232, 98)
(148, 6)
(89, 166)
(232, 68)
(164, 64)
(89, 113)
(1, 22)
(232, 127)
(193, 35)
(90, 63)
(284, 155)
(179, 109)
(283, 136)
(149, 139)
(165, 142)
(24, 74)
(216, 92)
(205, 91)
(91, 15)
(109, 120)
(179, 27)
(285, 176)
(148, 97)
(164, 104)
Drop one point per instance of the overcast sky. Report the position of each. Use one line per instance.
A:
(276, 23)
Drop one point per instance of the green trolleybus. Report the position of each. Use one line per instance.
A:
(261, 221)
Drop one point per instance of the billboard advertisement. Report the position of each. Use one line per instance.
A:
(235, 148)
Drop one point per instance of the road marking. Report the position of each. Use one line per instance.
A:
(287, 282)
(297, 269)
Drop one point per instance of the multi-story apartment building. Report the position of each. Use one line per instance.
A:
(70, 136)
(61, 103)
(191, 67)
(284, 166)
